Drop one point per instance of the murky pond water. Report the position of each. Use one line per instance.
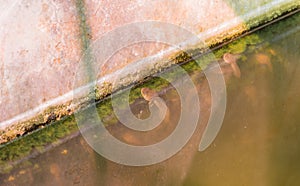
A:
(258, 144)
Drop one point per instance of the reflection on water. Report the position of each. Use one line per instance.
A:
(259, 142)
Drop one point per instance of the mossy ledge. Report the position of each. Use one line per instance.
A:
(56, 112)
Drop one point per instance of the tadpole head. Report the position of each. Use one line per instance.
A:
(148, 93)
(231, 58)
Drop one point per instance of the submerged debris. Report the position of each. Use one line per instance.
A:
(264, 59)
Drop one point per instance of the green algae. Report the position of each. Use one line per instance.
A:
(36, 141)
(244, 7)
(276, 29)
